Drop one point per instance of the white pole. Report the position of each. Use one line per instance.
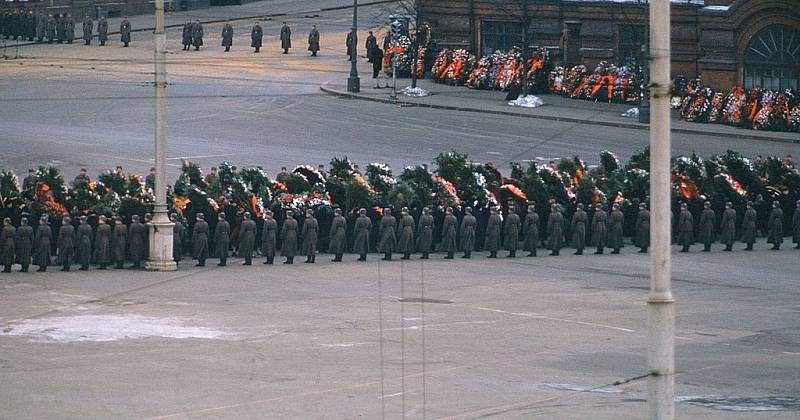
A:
(161, 227)
(660, 303)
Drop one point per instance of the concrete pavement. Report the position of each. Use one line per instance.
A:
(540, 337)
(556, 108)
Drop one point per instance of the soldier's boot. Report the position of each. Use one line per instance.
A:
(289, 260)
(449, 255)
(467, 254)
(728, 248)
(532, 254)
(201, 262)
(511, 254)
(248, 260)
(223, 262)
(137, 265)
(797, 246)
(227, 49)
(387, 256)
(270, 260)
(362, 257)
(599, 250)
(314, 258)
(7, 268)
(578, 252)
(126, 44)
(555, 253)
(308, 260)
(65, 268)
(86, 43)
(286, 51)
(258, 49)
(337, 258)
(776, 247)
(24, 269)
(102, 266)
(41, 269)
(707, 248)
(197, 48)
(643, 250)
(685, 248)
(406, 256)
(102, 43)
(615, 251)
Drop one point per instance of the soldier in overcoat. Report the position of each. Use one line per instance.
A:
(23, 244)
(362, 230)
(125, 31)
(387, 234)
(247, 238)
(728, 227)
(599, 229)
(615, 232)
(69, 28)
(555, 230)
(425, 233)
(643, 228)
(200, 240)
(256, 34)
(186, 35)
(222, 235)
(707, 221)
(449, 233)
(102, 30)
(578, 228)
(337, 235)
(83, 244)
(289, 239)
(512, 227)
(313, 40)
(269, 237)
(197, 35)
(466, 235)
(405, 234)
(119, 241)
(775, 226)
(178, 232)
(685, 228)
(492, 239)
(7, 236)
(227, 36)
(310, 234)
(749, 226)
(88, 27)
(102, 243)
(66, 243)
(43, 239)
(286, 38)
(136, 241)
(796, 225)
(530, 231)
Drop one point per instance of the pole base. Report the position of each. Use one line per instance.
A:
(353, 84)
(168, 265)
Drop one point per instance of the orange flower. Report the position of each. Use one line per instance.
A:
(515, 191)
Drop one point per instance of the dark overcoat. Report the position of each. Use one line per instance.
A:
(493, 226)
(425, 233)
(269, 236)
(467, 233)
(289, 237)
(363, 227)
(337, 235)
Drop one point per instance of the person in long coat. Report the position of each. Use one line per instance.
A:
(530, 231)
(178, 233)
(405, 234)
(615, 228)
(289, 239)
(83, 243)
(387, 242)
(222, 235)
(749, 226)
(350, 43)
(69, 28)
(492, 239)
(643, 228)
(256, 34)
(125, 31)
(775, 226)
(578, 227)
(41, 26)
(227, 36)
(65, 243)
(61, 33)
(136, 235)
(197, 35)
(247, 238)
(102, 30)
(555, 230)
(42, 241)
(449, 233)
(269, 237)
(370, 45)
(707, 219)
(599, 229)
(511, 230)
(313, 40)
(52, 27)
(466, 234)
(362, 229)
(337, 235)
(119, 240)
(88, 26)
(186, 35)
(23, 244)
(796, 225)
(7, 236)
(425, 233)
(102, 243)
(310, 234)
(685, 228)
(286, 38)
(728, 227)
(200, 240)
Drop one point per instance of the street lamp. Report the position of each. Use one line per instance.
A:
(160, 229)
(353, 82)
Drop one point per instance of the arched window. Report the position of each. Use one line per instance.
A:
(772, 59)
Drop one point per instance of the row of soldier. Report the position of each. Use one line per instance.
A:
(106, 245)
(57, 28)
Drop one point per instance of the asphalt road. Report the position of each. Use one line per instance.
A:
(76, 106)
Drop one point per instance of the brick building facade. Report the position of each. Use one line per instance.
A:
(748, 42)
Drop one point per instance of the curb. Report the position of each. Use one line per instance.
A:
(180, 25)
(634, 126)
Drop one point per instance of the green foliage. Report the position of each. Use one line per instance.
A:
(110, 179)
(639, 160)
(340, 167)
(453, 166)
(419, 178)
(297, 183)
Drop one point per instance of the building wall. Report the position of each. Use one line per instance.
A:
(707, 41)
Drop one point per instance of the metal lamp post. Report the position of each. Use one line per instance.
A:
(353, 82)
(160, 229)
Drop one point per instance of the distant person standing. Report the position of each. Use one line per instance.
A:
(255, 37)
(186, 36)
(197, 35)
(41, 26)
(50, 30)
(227, 36)
(69, 29)
(370, 46)
(125, 31)
(313, 40)
(286, 38)
(102, 31)
(350, 42)
(60, 28)
(88, 26)
(377, 64)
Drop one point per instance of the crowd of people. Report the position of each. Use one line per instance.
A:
(109, 242)
(57, 28)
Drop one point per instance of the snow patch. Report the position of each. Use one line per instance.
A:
(527, 101)
(631, 113)
(103, 328)
(416, 92)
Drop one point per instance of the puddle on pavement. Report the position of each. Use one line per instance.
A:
(103, 328)
(743, 403)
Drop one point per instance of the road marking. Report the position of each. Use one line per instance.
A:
(540, 316)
